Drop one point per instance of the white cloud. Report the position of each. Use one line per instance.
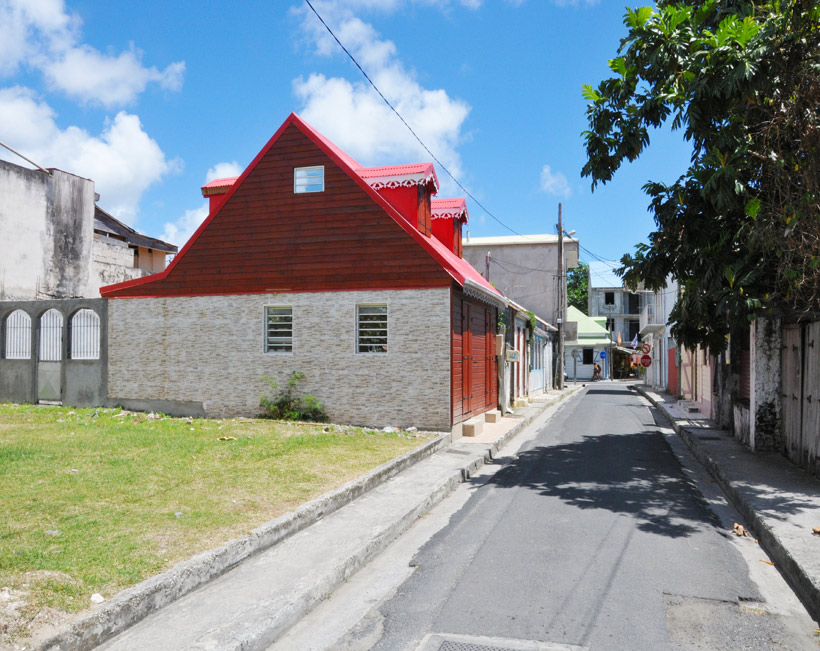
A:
(223, 170)
(179, 232)
(30, 27)
(354, 117)
(41, 34)
(122, 160)
(86, 75)
(555, 183)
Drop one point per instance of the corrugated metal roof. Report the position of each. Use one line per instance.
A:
(453, 208)
(218, 186)
(106, 223)
(458, 268)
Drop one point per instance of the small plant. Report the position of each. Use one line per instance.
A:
(287, 404)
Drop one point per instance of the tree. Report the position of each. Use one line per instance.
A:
(740, 228)
(578, 287)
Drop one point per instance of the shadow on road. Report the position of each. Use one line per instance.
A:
(633, 474)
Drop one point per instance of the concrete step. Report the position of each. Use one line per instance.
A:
(688, 406)
(492, 416)
(473, 426)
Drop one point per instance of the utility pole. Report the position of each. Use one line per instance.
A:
(487, 266)
(561, 315)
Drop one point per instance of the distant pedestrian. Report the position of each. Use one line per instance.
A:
(596, 372)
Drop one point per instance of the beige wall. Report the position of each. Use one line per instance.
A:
(526, 273)
(211, 350)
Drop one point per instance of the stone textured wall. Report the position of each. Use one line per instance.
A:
(211, 349)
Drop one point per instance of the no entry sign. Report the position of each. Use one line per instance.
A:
(646, 361)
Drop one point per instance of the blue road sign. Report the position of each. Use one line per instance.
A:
(603, 354)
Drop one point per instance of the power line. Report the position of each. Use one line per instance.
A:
(409, 128)
(421, 142)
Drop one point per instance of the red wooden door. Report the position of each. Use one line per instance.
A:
(489, 357)
(467, 359)
(478, 335)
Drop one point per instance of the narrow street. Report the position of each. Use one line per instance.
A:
(598, 532)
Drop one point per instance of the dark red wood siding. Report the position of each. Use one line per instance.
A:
(474, 366)
(268, 239)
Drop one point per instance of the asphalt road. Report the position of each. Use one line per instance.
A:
(600, 532)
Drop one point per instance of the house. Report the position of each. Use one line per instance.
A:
(609, 298)
(121, 253)
(531, 340)
(591, 345)
(56, 243)
(525, 268)
(310, 262)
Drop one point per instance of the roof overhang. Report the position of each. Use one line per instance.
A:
(474, 290)
(402, 180)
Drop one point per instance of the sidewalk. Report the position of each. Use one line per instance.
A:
(780, 502)
(247, 593)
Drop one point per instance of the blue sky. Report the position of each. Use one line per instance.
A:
(153, 99)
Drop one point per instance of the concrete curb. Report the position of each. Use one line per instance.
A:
(806, 588)
(134, 604)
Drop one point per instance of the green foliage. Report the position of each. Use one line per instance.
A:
(740, 228)
(578, 287)
(287, 404)
(531, 319)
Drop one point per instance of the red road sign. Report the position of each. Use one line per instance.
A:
(646, 361)
(646, 348)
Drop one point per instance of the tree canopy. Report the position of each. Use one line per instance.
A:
(578, 287)
(740, 228)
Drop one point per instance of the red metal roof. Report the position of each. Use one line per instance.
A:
(453, 208)
(218, 186)
(458, 268)
(393, 175)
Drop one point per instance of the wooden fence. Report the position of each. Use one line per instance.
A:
(800, 372)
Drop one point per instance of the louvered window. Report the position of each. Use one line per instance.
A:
(371, 328)
(278, 329)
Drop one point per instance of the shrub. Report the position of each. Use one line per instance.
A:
(287, 403)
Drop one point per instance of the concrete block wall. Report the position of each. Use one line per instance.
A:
(113, 263)
(210, 349)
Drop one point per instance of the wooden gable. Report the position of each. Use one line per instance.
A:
(265, 238)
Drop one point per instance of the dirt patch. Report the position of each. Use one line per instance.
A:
(21, 625)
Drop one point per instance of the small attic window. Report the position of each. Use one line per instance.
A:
(309, 179)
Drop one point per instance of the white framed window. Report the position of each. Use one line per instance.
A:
(371, 328)
(309, 179)
(84, 334)
(278, 329)
(18, 335)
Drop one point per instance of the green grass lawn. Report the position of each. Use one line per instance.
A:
(96, 500)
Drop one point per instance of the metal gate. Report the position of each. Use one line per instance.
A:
(50, 357)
